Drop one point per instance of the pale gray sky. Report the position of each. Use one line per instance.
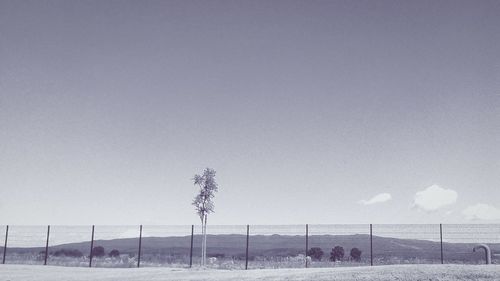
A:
(304, 108)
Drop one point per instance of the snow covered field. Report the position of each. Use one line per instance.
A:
(390, 272)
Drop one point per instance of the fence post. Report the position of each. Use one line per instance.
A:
(441, 240)
(91, 246)
(246, 253)
(47, 245)
(371, 244)
(140, 245)
(307, 241)
(191, 250)
(5, 245)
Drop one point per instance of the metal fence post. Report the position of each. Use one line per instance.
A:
(371, 244)
(140, 245)
(246, 252)
(441, 240)
(47, 246)
(91, 246)
(307, 241)
(5, 245)
(191, 250)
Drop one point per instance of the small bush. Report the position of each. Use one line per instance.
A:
(216, 255)
(356, 254)
(337, 253)
(315, 253)
(98, 251)
(114, 253)
(68, 253)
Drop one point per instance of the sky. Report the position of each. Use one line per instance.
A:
(310, 111)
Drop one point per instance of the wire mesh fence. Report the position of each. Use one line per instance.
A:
(226, 246)
(460, 239)
(412, 243)
(352, 242)
(115, 246)
(69, 245)
(276, 246)
(249, 247)
(166, 245)
(26, 244)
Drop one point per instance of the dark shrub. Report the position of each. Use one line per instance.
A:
(315, 253)
(98, 251)
(217, 255)
(114, 253)
(337, 253)
(68, 253)
(356, 254)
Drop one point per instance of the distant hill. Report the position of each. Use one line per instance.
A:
(280, 245)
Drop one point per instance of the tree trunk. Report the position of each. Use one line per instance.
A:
(205, 243)
(202, 263)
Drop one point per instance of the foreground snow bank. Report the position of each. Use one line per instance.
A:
(376, 273)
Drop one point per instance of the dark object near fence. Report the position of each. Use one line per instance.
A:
(246, 251)
(487, 251)
(140, 247)
(315, 253)
(441, 241)
(5, 245)
(47, 246)
(356, 254)
(337, 253)
(68, 253)
(98, 251)
(307, 244)
(371, 244)
(91, 246)
(114, 253)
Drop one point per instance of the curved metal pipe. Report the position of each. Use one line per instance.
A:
(487, 251)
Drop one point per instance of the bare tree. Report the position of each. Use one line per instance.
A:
(204, 204)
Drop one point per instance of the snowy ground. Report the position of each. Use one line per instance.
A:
(390, 272)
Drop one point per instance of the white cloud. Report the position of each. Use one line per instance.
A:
(379, 198)
(434, 197)
(481, 211)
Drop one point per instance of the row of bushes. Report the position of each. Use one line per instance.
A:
(96, 252)
(336, 254)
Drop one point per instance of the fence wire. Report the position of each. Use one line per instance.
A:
(166, 245)
(459, 240)
(411, 243)
(115, 246)
(276, 246)
(69, 245)
(269, 246)
(226, 246)
(351, 240)
(26, 244)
